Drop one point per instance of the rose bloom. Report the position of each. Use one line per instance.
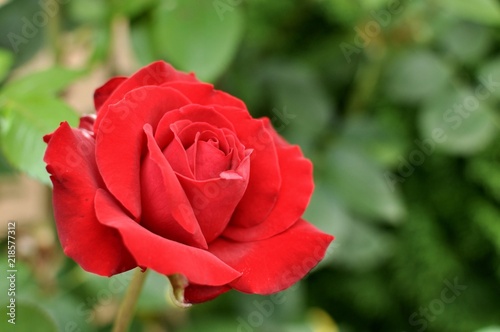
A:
(177, 177)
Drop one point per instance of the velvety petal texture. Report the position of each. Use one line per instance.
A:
(70, 160)
(175, 176)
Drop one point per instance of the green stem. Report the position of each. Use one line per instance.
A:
(54, 35)
(126, 311)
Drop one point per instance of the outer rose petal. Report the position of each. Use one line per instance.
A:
(265, 180)
(96, 247)
(197, 294)
(160, 254)
(154, 74)
(205, 94)
(166, 209)
(87, 123)
(296, 190)
(120, 140)
(214, 200)
(274, 264)
(102, 94)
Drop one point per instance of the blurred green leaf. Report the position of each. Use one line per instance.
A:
(19, 33)
(359, 183)
(382, 141)
(467, 123)
(142, 42)
(486, 217)
(343, 11)
(373, 4)
(485, 170)
(212, 325)
(480, 11)
(89, 11)
(196, 36)
(24, 123)
(132, 8)
(358, 245)
(29, 317)
(69, 312)
(416, 75)
(29, 110)
(302, 107)
(44, 83)
(467, 41)
(154, 294)
(6, 61)
(490, 329)
(490, 72)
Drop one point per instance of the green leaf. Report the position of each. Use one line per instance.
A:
(195, 36)
(24, 123)
(154, 294)
(19, 34)
(416, 75)
(490, 329)
(373, 4)
(480, 11)
(46, 82)
(382, 141)
(360, 184)
(89, 11)
(466, 41)
(29, 317)
(344, 11)
(29, 110)
(467, 123)
(132, 8)
(490, 72)
(302, 107)
(6, 61)
(141, 42)
(486, 217)
(358, 245)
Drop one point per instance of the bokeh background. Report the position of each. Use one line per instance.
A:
(396, 102)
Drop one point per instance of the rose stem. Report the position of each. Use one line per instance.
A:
(125, 313)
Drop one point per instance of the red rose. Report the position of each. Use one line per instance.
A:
(175, 176)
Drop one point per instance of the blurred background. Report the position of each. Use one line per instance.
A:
(396, 102)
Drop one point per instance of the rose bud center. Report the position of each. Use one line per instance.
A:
(201, 151)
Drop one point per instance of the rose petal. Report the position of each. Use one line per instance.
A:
(166, 209)
(120, 140)
(160, 254)
(274, 264)
(87, 122)
(205, 146)
(193, 113)
(177, 158)
(296, 189)
(71, 162)
(205, 94)
(102, 94)
(154, 74)
(198, 293)
(265, 180)
(206, 132)
(214, 200)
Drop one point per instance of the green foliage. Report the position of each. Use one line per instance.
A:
(39, 319)
(480, 11)
(468, 124)
(416, 75)
(29, 110)
(6, 60)
(198, 40)
(402, 130)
